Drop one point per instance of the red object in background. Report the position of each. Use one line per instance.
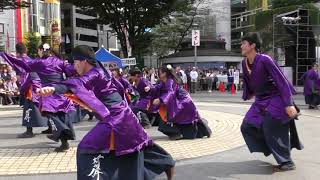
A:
(233, 88)
(19, 23)
(185, 86)
(222, 87)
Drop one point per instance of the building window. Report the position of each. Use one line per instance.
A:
(1, 28)
(41, 10)
(88, 38)
(88, 24)
(42, 22)
(88, 12)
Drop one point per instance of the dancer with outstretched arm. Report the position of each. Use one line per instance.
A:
(56, 108)
(117, 147)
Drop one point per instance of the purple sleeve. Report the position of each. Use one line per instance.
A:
(69, 69)
(246, 92)
(280, 80)
(246, 95)
(155, 90)
(79, 86)
(313, 76)
(167, 92)
(126, 84)
(36, 65)
(16, 63)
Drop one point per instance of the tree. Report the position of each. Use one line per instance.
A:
(130, 18)
(168, 36)
(32, 41)
(13, 4)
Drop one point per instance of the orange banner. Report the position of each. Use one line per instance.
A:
(52, 1)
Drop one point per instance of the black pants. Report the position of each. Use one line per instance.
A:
(143, 165)
(313, 99)
(272, 138)
(62, 127)
(199, 129)
(193, 87)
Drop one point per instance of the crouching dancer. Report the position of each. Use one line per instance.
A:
(117, 148)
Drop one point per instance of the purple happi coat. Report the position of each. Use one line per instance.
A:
(28, 80)
(144, 97)
(50, 70)
(311, 80)
(179, 105)
(272, 91)
(126, 84)
(95, 88)
(127, 87)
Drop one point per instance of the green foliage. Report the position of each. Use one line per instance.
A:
(13, 4)
(168, 36)
(286, 3)
(132, 17)
(32, 41)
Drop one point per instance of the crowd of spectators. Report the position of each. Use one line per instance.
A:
(196, 79)
(9, 86)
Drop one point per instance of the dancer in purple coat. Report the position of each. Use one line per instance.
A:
(269, 125)
(180, 116)
(56, 107)
(32, 116)
(311, 88)
(117, 147)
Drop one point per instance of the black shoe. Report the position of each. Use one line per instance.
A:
(148, 126)
(175, 137)
(63, 148)
(52, 138)
(287, 166)
(48, 131)
(26, 135)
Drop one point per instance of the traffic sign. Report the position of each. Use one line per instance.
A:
(129, 62)
(195, 37)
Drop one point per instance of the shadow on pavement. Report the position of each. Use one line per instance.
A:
(221, 170)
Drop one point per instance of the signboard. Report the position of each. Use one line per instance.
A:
(195, 37)
(129, 62)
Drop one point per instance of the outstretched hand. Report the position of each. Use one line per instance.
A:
(46, 91)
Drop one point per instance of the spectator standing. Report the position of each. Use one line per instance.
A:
(12, 73)
(230, 78)
(237, 78)
(194, 78)
(187, 72)
(210, 78)
(184, 79)
(5, 75)
(153, 77)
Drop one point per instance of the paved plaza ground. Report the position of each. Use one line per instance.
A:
(221, 157)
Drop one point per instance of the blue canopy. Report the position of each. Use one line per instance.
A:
(104, 55)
